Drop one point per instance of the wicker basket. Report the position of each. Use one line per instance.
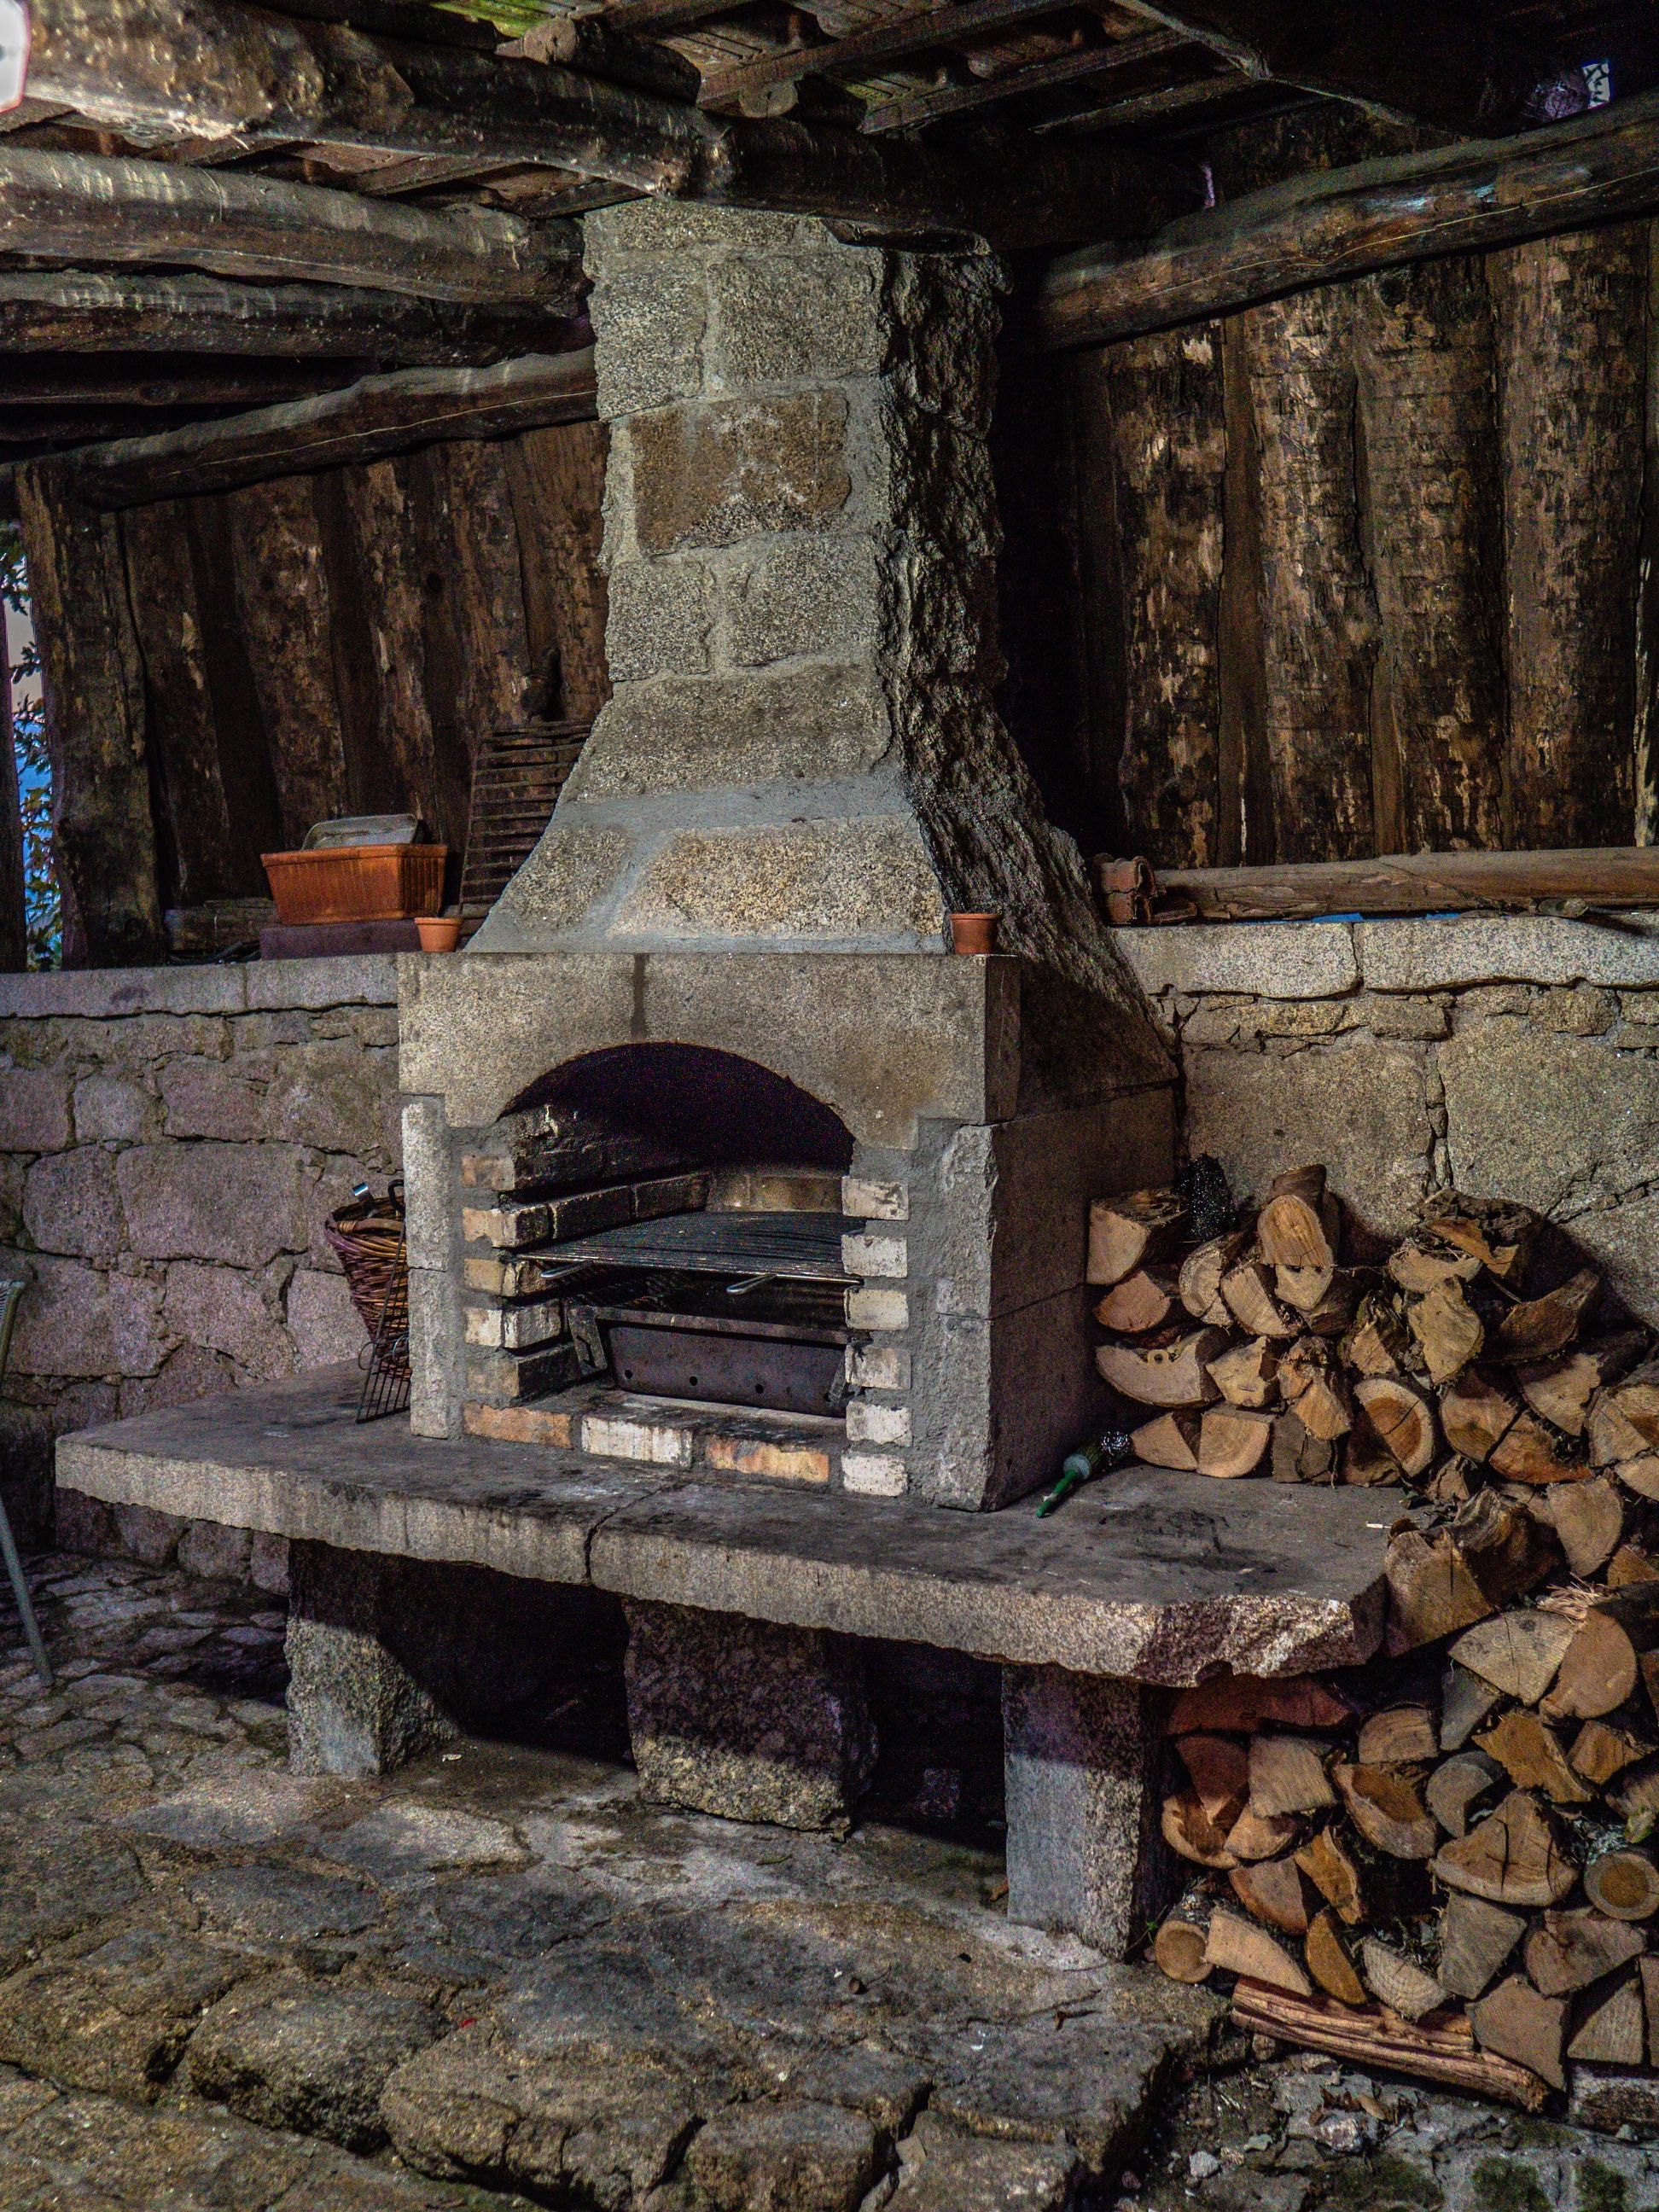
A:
(368, 1234)
(357, 882)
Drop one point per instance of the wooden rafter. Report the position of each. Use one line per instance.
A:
(379, 416)
(1422, 61)
(81, 311)
(74, 209)
(1375, 215)
(1073, 67)
(916, 31)
(1152, 106)
(207, 68)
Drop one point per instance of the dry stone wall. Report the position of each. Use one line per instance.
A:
(171, 1140)
(1514, 1056)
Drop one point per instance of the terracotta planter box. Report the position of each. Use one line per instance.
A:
(357, 882)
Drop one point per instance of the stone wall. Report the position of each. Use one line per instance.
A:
(171, 1139)
(1515, 1056)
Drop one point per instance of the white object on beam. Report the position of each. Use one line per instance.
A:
(14, 52)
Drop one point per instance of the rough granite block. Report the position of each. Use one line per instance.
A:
(353, 1708)
(749, 1721)
(1085, 1855)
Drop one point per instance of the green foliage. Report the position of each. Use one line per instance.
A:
(42, 907)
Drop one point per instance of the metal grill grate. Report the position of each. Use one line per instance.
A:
(803, 1246)
(517, 778)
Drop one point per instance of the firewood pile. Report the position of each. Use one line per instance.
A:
(1443, 1862)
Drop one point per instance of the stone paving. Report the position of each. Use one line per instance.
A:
(501, 1979)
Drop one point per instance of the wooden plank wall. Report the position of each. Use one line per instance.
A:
(316, 644)
(1368, 569)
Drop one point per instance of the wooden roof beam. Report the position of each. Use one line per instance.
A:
(1347, 223)
(76, 208)
(95, 311)
(207, 68)
(1416, 61)
(364, 421)
(1081, 65)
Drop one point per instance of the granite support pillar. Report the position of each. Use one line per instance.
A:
(353, 1707)
(1086, 1856)
(747, 1719)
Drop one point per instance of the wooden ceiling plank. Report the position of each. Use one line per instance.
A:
(218, 67)
(1347, 222)
(364, 421)
(916, 31)
(97, 311)
(1072, 68)
(1148, 107)
(76, 208)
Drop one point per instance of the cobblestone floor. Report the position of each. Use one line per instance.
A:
(501, 1979)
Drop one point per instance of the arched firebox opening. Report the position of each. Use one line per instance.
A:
(697, 1103)
(683, 1206)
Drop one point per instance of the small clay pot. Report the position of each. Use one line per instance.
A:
(440, 932)
(974, 933)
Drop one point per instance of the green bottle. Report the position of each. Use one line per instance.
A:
(1098, 1456)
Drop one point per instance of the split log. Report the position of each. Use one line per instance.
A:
(1192, 1835)
(1169, 1440)
(1141, 1300)
(1330, 1961)
(1306, 1288)
(1432, 1591)
(1499, 1236)
(1448, 1329)
(1518, 1653)
(1248, 1291)
(1622, 1883)
(1387, 1811)
(1402, 1417)
(1614, 2029)
(1261, 1835)
(1477, 1415)
(1466, 1700)
(1131, 1231)
(1312, 1384)
(1439, 2050)
(1273, 1892)
(1241, 1703)
(1199, 1280)
(1219, 1769)
(1630, 1567)
(1418, 1268)
(1240, 1947)
(1517, 2023)
(1509, 1858)
(1164, 1374)
(1530, 1754)
(1330, 1314)
(1178, 1948)
(1296, 1227)
(1366, 1460)
(1232, 1443)
(1567, 1951)
(1559, 1390)
(1287, 1775)
(1508, 1551)
(1398, 1982)
(1299, 1457)
(1246, 1375)
(1530, 1452)
(1475, 1939)
(1587, 1519)
(1598, 1672)
(1603, 1749)
(1462, 1788)
(1623, 1422)
(1640, 1475)
(1376, 1343)
(1332, 1871)
(1399, 1736)
(1538, 1327)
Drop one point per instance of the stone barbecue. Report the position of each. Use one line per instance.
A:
(716, 1155)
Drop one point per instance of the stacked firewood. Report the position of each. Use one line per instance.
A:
(1445, 1861)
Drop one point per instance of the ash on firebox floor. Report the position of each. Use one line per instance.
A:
(500, 1979)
